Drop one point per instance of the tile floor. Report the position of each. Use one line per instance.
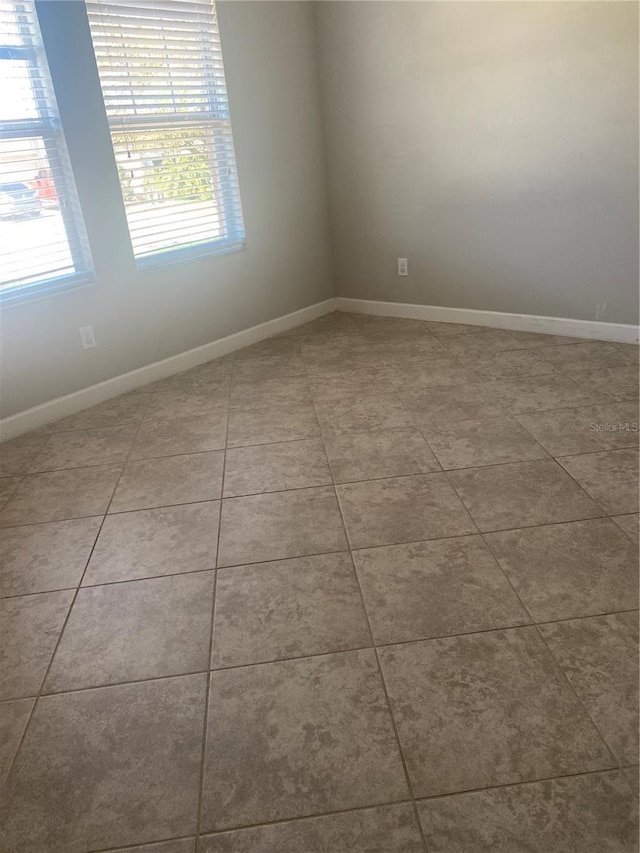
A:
(367, 586)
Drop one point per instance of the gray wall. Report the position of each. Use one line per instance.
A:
(271, 70)
(493, 144)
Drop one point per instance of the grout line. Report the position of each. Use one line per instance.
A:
(110, 514)
(203, 755)
(14, 759)
(205, 721)
(557, 665)
(387, 805)
(545, 459)
(381, 676)
(537, 780)
(539, 633)
(581, 703)
(506, 414)
(234, 566)
(374, 645)
(118, 582)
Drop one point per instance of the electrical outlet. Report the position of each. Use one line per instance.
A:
(403, 266)
(87, 337)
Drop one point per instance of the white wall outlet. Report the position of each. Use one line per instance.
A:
(403, 266)
(87, 337)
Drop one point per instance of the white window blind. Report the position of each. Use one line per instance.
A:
(42, 239)
(160, 66)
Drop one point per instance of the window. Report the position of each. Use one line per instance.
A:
(160, 66)
(42, 240)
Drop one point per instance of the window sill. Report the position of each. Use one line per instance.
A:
(41, 289)
(172, 257)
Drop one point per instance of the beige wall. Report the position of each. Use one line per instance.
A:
(139, 318)
(493, 144)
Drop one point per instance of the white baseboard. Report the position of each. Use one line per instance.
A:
(53, 410)
(591, 329)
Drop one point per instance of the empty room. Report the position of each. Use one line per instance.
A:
(319, 426)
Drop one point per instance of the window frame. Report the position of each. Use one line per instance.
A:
(214, 119)
(46, 127)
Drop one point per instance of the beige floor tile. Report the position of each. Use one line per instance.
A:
(333, 354)
(275, 467)
(522, 362)
(328, 349)
(573, 815)
(78, 449)
(539, 393)
(285, 344)
(131, 751)
(280, 525)
(169, 480)
(202, 378)
(347, 383)
(449, 330)
(370, 412)
(521, 494)
(57, 495)
(8, 485)
(330, 743)
(135, 630)
(611, 478)
(45, 557)
(629, 412)
(17, 455)
(440, 404)
(374, 327)
(152, 542)
(190, 434)
(628, 353)
(599, 656)
(29, 629)
(535, 339)
(129, 408)
(301, 749)
(286, 609)
(629, 523)
(484, 441)
(423, 346)
(13, 720)
(333, 323)
(402, 509)
(184, 845)
(482, 343)
(587, 355)
(181, 403)
(614, 383)
(580, 430)
(379, 453)
(497, 701)
(432, 589)
(267, 393)
(565, 570)
(270, 425)
(446, 371)
(391, 829)
(267, 367)
(632, 778)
